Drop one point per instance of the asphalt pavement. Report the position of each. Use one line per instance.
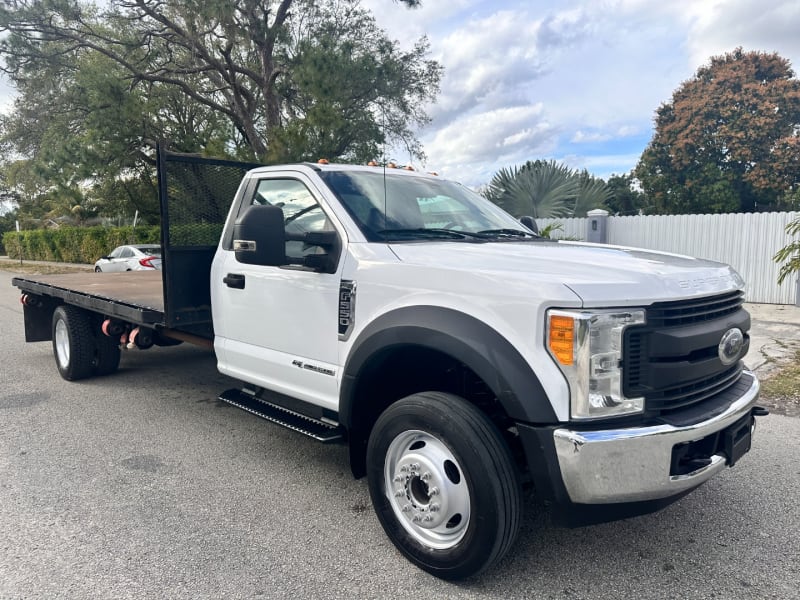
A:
(143, 485)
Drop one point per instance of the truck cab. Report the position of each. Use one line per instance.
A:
(612, 376)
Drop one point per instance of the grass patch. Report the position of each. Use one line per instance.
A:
(33, 268)
(780, 391)
(785, 382)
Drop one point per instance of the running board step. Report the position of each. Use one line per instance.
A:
(319, 430)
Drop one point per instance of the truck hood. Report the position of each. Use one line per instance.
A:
(597, 273)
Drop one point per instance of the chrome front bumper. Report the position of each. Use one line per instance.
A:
(633, 464)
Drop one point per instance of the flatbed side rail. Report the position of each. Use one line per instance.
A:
(111, 307)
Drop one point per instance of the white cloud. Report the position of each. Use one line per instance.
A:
(486, 64)
(602, 165)
(726, 24)
(582, 137)
(596, 71)
(470, 146)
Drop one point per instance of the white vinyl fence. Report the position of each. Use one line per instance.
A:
(746, 241)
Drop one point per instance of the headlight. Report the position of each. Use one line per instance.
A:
(587, 347)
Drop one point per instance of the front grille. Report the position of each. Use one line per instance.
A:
(671, 314)
(692, 393)
(672, 360)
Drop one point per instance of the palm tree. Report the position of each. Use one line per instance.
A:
(594, 193)
(546, 189)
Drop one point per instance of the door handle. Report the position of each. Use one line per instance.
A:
(234, 280)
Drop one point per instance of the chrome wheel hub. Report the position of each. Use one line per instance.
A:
(426, 489)
(62, 344)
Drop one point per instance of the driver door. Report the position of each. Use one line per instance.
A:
(280, 329)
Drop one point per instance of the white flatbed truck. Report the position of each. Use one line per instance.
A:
(455, 351)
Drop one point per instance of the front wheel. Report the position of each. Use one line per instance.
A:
(443, 484)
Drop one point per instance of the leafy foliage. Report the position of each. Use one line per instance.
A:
(75, 244)
(272, 80)
(728, 139)
(789, 254)
(546, 189)
(625, 197)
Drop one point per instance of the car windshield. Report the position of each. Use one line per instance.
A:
(395, 207)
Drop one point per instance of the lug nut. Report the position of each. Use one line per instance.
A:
(399, 494)
(434, 491)
(415, 466)
(416, 518)
(404, 469)
(435, 508)
(406, 508)
(426, 476)
(428, 518)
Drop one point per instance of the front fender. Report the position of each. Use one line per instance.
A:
(468, 340)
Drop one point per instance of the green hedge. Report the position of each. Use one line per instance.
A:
(75, 244)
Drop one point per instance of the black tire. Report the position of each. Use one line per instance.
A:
(74, 344)
(98, 270)
(107, 355)
(454, 501)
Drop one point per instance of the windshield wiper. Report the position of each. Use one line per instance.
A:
(434, 233)
(507, 233)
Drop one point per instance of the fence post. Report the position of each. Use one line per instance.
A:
(797, 292)
(596, 226)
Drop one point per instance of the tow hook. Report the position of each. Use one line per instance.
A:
(759, 411)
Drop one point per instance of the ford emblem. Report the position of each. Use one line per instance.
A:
(730, 346)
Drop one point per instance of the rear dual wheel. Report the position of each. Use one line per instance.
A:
(80, 347)
(444, 484)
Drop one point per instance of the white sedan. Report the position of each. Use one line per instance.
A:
(141, 257)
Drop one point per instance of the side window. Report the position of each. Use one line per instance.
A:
(115, 253)
(125, 253)
(301, 212)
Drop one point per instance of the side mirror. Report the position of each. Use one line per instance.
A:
(259, 237)
(529, 223)
(327, 240)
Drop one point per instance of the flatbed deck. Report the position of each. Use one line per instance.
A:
(136, 296)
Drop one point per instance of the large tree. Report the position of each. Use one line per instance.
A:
(625, 196)
(728, 139)
(262, 80)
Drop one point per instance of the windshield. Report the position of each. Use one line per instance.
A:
(151, 250)
(399, 207)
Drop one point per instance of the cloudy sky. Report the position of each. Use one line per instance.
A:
(573, 80)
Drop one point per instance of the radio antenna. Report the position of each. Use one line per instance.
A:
(383, 161)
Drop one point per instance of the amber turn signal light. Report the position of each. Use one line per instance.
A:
(562, 338)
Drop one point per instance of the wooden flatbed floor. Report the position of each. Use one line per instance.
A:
(136, 296)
